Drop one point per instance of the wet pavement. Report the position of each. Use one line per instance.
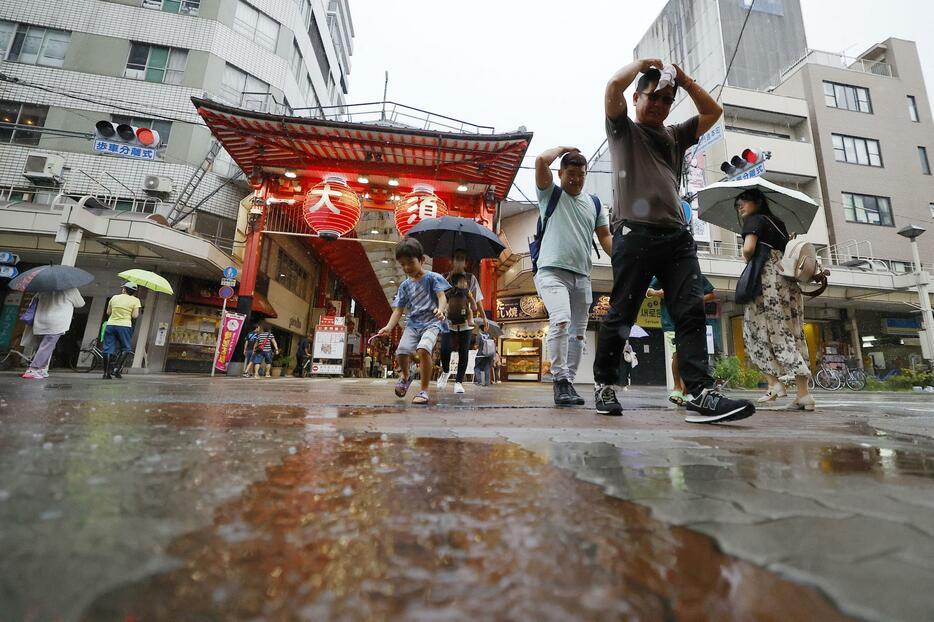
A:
(179, 498)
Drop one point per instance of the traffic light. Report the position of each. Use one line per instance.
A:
(145, 137)
(744, 163)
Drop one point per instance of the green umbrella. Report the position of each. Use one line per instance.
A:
(147, 279)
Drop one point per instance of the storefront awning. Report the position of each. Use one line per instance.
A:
(201, 293)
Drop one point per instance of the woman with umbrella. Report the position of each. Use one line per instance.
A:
(121, 311)
(56, 299)
(773, 326)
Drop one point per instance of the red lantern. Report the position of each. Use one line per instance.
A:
(331, 208)
(416, 207)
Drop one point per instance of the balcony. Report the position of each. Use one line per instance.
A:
(839, 61)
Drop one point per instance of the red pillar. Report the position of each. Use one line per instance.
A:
(251, 253)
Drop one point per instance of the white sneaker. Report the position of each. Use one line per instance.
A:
(458, 387)
(443, 379)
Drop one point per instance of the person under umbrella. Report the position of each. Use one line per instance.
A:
(52, 319)
(118, 336)
(460, 331)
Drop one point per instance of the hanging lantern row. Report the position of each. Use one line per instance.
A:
(332, 208)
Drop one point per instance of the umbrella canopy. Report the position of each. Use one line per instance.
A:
(51, 279)
(496, 331)
(147, 279)
(717, 204)
(440, 237)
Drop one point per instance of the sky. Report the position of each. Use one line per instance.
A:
(543, 64)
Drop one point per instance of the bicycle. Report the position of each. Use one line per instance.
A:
(93, 350)
(8, 359)
(828, 378)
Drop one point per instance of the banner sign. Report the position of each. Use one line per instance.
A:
(710, 137)
(230, 333)
(330, 338)
(531, 307)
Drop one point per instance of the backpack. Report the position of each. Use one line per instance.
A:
(485, 346)
(801, 264)
(457, 308)
(535, 244)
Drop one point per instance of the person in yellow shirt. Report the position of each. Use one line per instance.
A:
(118, 336)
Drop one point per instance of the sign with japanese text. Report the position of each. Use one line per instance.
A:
(416, 207)
(330, 338)
(331, 208)
(708, 138)
(231, 326)
(121, 149)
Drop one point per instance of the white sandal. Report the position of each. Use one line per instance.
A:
(772, 394)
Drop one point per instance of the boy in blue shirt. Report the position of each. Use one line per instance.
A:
(422, 298)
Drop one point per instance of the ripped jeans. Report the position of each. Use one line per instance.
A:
(567, 297)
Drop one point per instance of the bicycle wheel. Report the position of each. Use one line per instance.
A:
(828, 380)
(6, 362)
(856, 380)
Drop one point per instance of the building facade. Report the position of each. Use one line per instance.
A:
(66, 66)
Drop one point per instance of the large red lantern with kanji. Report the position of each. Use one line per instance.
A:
(331, 208)
(417, 206)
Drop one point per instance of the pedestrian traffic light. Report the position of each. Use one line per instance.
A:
(745, 161)
(129, 134)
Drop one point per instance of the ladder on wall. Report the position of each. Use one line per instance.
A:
(180, 209)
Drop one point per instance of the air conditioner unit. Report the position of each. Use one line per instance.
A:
(159, 184)
(43, 167)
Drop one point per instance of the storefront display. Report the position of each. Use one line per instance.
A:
(523, 359)
(193, 338)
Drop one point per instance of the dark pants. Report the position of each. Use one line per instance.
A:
(118, 339)
(299, 364)
(670, 255)
(463, 351)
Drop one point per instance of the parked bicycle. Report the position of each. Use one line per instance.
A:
(95, 351)
(12, 357)
(833, 379)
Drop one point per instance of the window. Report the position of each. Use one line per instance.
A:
(185, 7)
(846, 97)
(931, 205)
(241, 89)
(221, 231)
(24, 115)
(154, 63)
(296, 63)
(163, 127)
(868, 210)
(913, 109)
(317, 45)
(923, 156)
(900, 267)
(256, 26)
(856, 150)
(291, 275)
(33, 45)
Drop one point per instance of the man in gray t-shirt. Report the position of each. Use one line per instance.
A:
(650, 235)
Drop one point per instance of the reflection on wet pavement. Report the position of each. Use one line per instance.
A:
(370, 527)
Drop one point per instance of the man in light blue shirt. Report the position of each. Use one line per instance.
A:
(564, 262)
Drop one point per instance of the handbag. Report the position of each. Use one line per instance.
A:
(750, 281)
(29, 315)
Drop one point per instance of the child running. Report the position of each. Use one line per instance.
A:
(422, 298)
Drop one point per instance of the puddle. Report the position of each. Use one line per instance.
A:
(376, 527)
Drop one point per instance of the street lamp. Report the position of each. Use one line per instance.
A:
(912, 232)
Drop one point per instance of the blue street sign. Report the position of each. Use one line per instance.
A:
(11, 259)
(121, 149)
(230, 272)
(8, 272)
(755, 171)
(226, 292)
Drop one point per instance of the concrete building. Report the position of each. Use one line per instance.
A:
(701, 36)
(67, 65)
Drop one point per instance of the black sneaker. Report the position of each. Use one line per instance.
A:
(711, 406)
(578, 400)
(563, 396)
(604, 398)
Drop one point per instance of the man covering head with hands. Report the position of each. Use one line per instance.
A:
(651, 235)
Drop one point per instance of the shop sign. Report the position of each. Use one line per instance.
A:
(650, 313)
(330, 339)
(528, 307)
(416, 207)
(230, 332)
(900, 326)
(327, 369)
(8, 316)
(331, 208)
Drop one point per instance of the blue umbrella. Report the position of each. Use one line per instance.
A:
(51, 279)
(440, 237)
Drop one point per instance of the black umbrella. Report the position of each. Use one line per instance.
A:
(51, 279)
(440, 237)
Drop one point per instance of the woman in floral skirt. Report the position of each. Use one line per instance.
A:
(773, 326)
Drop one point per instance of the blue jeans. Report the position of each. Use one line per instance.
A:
(114, 335)
(567, 297)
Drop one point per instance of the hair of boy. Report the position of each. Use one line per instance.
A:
(652, 76)
(409, 247)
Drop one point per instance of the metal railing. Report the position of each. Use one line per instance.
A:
(840, 61)
(392, 113)
(12, 194)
